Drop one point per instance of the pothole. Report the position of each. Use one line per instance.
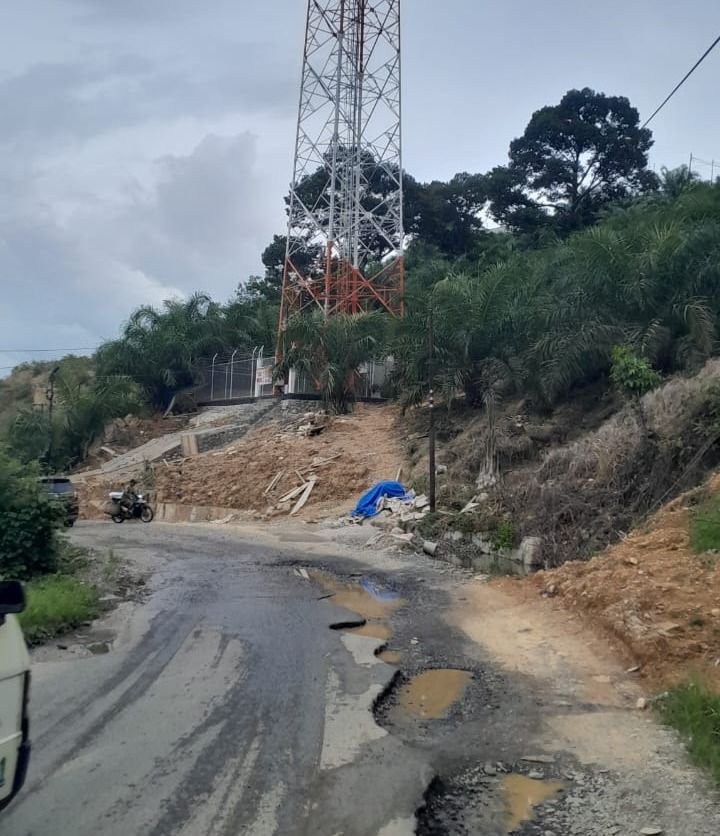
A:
(408, 704)
(365, 597)
(430, 694)
(522, 795)
(489, 799)
(390, 657)
(372, 602)
(372, 629)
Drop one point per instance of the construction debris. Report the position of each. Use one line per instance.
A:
(305, 495)
(278, 476)
(293, 493)
(257, 473)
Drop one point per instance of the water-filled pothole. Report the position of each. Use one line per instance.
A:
(430, 694)
(372, 629)
(390, 657)
(371, 601)
(483, 800)
(522, 795)
(408, 703)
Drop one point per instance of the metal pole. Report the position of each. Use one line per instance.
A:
(252, 373)
(690, 166)
(712, 171)
(51, 400)
(260, 359)
(212, 378)
(232, 361)
(227, 373)
(431, 428)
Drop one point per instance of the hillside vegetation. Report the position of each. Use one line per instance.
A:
(595, 308)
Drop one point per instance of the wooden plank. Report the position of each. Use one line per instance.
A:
(304, 498)
(329, 459)
(319, 463)
(275, 480)
(293, 493)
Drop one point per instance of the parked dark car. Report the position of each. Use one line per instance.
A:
(61, 489)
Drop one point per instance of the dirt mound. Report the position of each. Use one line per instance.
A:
(346, 456)
(652, 593)
(124, 434)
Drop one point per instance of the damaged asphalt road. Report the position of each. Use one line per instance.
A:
(227, 705)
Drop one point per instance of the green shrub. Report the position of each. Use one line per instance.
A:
(695, 712)
(432, 525)
(705, 526)
(420, 485)
(505, 535)
(631, 374)
(474, 523)
(28, 523)
(57, 603)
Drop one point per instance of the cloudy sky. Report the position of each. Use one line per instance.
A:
(145, 145)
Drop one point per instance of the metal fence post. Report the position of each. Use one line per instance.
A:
(252, 373)
(212, 378)
(232, 361)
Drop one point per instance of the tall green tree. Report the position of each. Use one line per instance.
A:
(330, 351)
(573, 159)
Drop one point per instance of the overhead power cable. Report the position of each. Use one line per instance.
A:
(44, 350)
(682, 81)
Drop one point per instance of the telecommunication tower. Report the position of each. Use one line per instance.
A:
(345, 222)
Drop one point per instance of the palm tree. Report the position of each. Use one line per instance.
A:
(674, 181)
(330, 351)
(160, 349)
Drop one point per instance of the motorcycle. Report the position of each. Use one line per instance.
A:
(139, 510)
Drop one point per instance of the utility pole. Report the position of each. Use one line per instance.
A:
(690, 165)
(50, 395)
(431, 428)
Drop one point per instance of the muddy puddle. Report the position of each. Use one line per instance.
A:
(431, 694)
(364, 597)
(371, 601)
(390, 657)
(522, 795)
(372, 629)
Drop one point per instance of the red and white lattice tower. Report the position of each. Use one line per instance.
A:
(345, 230)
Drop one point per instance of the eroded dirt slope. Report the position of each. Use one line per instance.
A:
(651, 593)
(350, 454)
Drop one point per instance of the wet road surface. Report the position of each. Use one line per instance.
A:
(226, 706)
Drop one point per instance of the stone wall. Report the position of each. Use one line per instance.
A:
(200, 441)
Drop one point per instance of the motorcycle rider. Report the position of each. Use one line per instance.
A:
(129, 497)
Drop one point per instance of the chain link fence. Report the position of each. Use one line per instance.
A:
(227, 376)
(237, 375)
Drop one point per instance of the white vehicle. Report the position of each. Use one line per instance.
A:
(14, 693)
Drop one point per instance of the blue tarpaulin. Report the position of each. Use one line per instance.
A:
(367, 504)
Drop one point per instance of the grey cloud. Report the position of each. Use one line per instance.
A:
(79, 100)
(206, 222)
(135, 10)
(60, 292)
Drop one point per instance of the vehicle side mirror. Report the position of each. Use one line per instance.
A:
(12, 597)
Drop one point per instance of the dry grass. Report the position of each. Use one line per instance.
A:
(586, 494)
